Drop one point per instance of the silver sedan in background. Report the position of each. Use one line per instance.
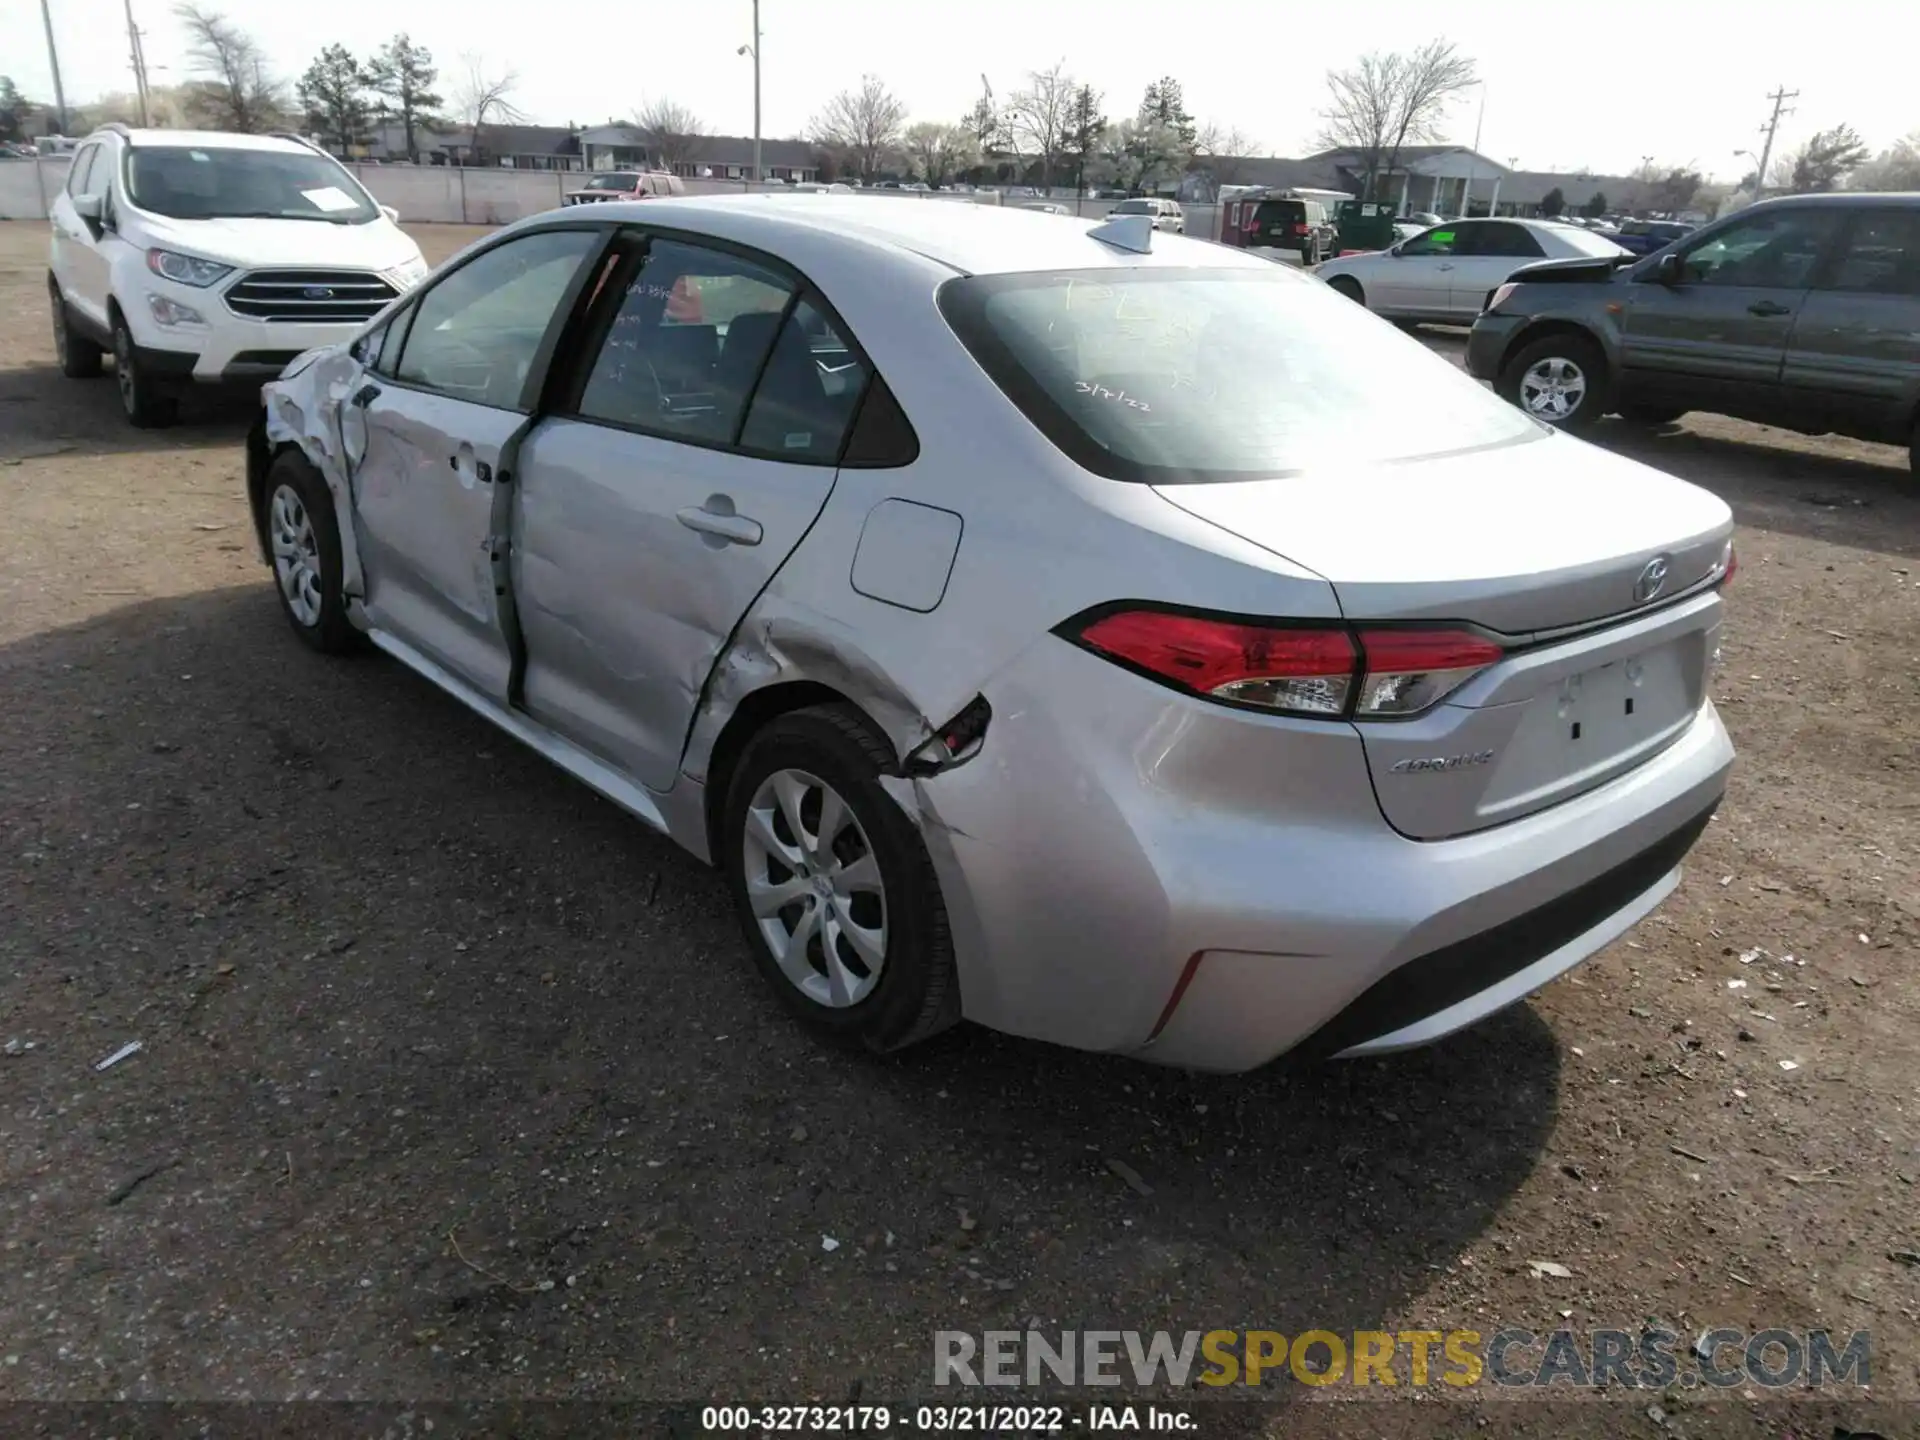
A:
(1446, 275)
(1101, 635)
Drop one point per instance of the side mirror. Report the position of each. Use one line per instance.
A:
(1667, 270)
(393, 215)
(89, 207)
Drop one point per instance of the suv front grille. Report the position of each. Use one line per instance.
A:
(312, 297)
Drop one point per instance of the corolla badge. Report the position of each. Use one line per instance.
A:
(1653, 579)
(1427, 765)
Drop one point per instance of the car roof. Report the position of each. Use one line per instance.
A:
(969, 238)
(1845, 198)
(210, 140)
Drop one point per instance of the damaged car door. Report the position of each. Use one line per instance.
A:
(694, 442)
(456, 391)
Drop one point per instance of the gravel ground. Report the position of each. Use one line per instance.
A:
(457, 1084)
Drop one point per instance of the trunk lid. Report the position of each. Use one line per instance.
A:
(1530, 541)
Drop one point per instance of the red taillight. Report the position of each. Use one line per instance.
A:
(1732, 566)
(1308, 672)
(1300, 229)
(1299, 670)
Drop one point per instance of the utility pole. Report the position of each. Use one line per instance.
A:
(53, 63)
(1779, 99)
(758, 174)
(754, 51)
(139, 59)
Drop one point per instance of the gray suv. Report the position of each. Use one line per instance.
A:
(1802, 312)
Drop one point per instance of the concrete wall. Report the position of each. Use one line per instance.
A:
(438, 194)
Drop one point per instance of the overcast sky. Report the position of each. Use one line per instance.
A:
(1596, 86)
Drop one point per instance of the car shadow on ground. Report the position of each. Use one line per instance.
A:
(428, 1027)
(43, 412)
(1856, 502)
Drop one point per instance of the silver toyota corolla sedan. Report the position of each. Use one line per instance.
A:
(1101, 635)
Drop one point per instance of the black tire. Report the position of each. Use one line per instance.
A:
(1349, 287)
(1583, 356)
(320, 619)
(79, 357)
(917, 992)
(1650, 414)
(147, 406)
(1913, 450)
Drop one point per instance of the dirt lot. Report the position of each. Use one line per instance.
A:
(457, 1083)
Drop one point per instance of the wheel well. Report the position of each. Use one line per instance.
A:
(1542, 331)
(1347, 282)
(260, 457)
(753, 714)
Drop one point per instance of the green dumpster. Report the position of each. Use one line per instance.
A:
(1365, 225)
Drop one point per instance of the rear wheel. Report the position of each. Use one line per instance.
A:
(1349, 287)
(1558, 380)
(147, 406)
(79, 357)
(832, 884)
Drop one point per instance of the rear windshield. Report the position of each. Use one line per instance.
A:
(617, 181)
(1587, 242)
(191, 182)
(1134, 207)
(1171, 375)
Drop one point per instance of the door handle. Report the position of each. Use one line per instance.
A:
(723, 526)
(1443, 267)
(1768, 308)
(482, 471)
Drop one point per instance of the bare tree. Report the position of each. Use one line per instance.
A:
(1220, 155)
(939, 152)
(483, 97)
(1896, 168)
(1041, 114)
(232, 88)
(863, 125)
(673, 131)
(1388, 101)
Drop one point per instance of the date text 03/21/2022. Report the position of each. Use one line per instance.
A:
(940, 1419)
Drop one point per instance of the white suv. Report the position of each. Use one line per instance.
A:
(1167, 214)
(199, 256)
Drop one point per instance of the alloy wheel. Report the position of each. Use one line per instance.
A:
(815, 887)
(296, 555)
(1553, 388)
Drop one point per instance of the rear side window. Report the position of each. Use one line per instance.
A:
(687, 344)
(1171, 375)
(808, 391)
(1882, 256)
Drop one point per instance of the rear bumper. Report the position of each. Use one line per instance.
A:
(1488, 341)
(1129, 870)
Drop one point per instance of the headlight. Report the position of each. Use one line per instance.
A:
(1500, 296)
(186, 269)
(409, 273)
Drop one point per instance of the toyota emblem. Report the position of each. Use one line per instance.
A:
(1653, 578)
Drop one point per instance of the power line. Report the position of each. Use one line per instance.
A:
(138, 56)
(1780, 109)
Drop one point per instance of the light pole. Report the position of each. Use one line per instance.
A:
(53, 63)
(754, 51)
(1473, 169)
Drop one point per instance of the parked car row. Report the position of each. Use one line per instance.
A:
(1447, 274)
